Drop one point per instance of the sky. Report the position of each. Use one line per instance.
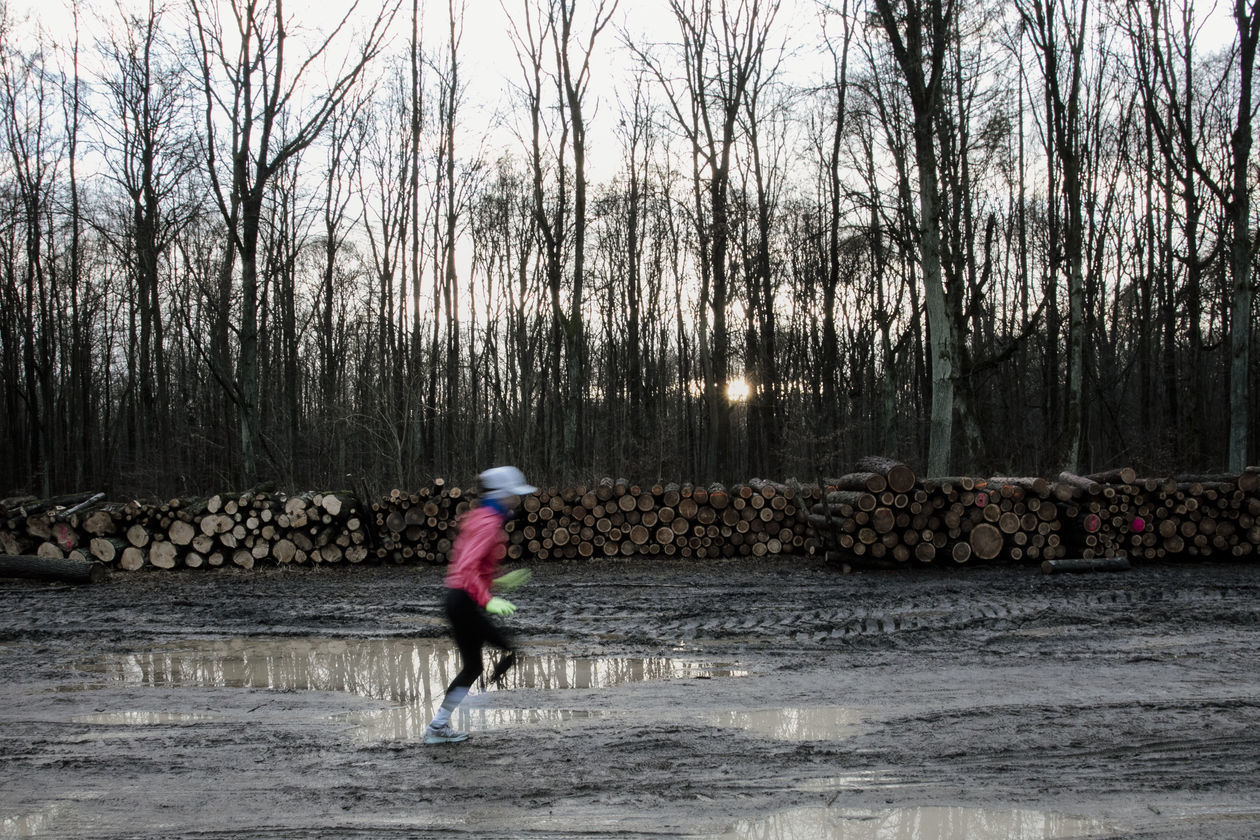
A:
(488, 55)
(489, 64)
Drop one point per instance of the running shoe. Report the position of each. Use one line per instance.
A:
(445, 734)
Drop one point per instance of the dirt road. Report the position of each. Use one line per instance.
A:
(771, 700)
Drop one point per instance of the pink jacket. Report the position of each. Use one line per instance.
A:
(479, 547)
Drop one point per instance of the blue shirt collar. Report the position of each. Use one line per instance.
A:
(498, 507)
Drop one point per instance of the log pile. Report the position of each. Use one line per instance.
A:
(1117, 513)
(418, 526)
(615, 518)
(867, 520)
(237, 528)
(882, 513)
(612, 518)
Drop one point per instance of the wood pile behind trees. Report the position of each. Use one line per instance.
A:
(880, 514)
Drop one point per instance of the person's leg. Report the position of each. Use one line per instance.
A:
(472, 629)
(497, 637)
(468, 640)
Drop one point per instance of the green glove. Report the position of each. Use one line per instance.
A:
(513, 580)
(500, 606)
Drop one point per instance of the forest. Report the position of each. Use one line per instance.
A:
(761, 238)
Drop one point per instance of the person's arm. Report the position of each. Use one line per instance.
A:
(513, 580)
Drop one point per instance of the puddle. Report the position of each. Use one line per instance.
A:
(399, 670)
(412, 674)
(140, 719)
(820, 723)
(928, 823)
(32, 825)
(406, 723)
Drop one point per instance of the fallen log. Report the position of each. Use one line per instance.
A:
(52, 568)
(1122, 475)
(867, 482)
(1095, 564)
(63, 515)
(900, 477)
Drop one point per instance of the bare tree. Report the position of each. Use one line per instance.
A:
(767, 104)
(1247, 20)
(151, 146)
(837, 87)
(920, 33)
(262, 91)
(558, 154)
(26, 108)
(720, 51)
(448, 199)
(342, 167)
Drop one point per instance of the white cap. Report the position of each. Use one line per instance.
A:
(505, 481)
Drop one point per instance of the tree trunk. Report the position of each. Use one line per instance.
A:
(924, 89)
(1241, 244)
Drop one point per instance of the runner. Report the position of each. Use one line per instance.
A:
(479, 547)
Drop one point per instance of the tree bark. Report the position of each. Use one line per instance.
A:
(1241, 247)
(924, 87)
(52, 568)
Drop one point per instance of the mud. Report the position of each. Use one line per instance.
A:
(726, 700)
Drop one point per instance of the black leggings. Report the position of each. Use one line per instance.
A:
(472, 629)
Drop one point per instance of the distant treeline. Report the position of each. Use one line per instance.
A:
(983, 238)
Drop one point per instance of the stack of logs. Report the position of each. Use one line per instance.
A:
(614, 518)
(618, 519)
(240, 528)
(880, 514)
(883, 514)
(1117, 513)
(420, 525)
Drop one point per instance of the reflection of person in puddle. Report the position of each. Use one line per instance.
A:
(479, 547)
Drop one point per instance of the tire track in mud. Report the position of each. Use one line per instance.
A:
(718, 614)
(1119, 747)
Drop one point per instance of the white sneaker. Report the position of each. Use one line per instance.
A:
(444, 734)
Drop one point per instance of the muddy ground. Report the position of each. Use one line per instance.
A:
(772, 699)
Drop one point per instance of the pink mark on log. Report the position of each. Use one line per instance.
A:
(1091, 523)
(1139, 525)
(982, 499)
(64, 535)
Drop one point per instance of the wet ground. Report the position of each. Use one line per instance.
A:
(775, 699)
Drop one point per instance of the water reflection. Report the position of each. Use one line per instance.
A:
(412, 674)
(32, 825)
(929, 823)
(135, 718)
(405, 723)
(820, 723)
(399, 670)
